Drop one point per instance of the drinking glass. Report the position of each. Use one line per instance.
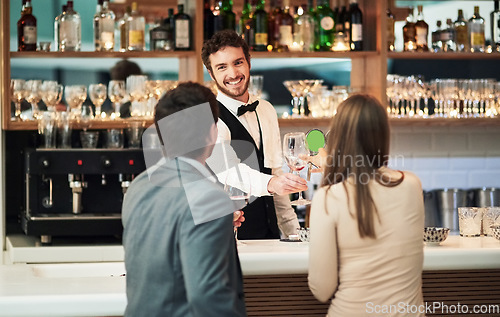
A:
(34, 95)
(469, 221)
(255, 85)
(51, 94)
(85, 117)
(116, 93)
(237, 186)
(47, 129)
(97, 94)
(75, 95)
(491, 216)
(18, 93)
(294, 149)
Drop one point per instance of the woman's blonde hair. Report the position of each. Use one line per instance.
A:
(357, 146)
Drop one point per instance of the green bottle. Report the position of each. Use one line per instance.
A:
(325, 26)
(228, 16)
(245, 15)
(260, 24)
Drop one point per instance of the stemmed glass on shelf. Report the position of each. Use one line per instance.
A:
(136, 89)
(98, 94)
(116, 93)
(295, 149)
(237, 186)
(75, 95)
(51, 94)
(18, 93)
(34, 95)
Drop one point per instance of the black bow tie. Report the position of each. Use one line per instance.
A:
(251, 107)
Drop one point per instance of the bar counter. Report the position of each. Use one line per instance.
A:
(275, 279)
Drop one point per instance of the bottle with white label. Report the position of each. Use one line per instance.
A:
(421, 31)
(325, 26)
(476, 32)
(182, 36)
(135, 26)
(70, 30)
(356, 17)
(104, 28)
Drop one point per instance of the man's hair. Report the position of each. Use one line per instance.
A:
(186, 95)
(123, 69)
(219, 41)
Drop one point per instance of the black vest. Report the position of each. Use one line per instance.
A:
(260, 216)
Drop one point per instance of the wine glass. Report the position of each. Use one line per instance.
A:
(34, 95)
(237, 186)
(51, 94)
(116, 93)
(295, 149)
(136, 89)
(75, 95)
(18, 92)
(97, 94)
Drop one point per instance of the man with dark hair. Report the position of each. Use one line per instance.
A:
(227, 59)
(180, 257)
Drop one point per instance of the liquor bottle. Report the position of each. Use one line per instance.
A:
(273, 29)
(245, 15)
(461, 33)
(261, 25)
(448, 37)
(105, 27)
(285, 28)
(437, 44)
(218, 21)
(326, 26)
(421, 31)
(304, 29)
(409, 33)
(26, 28)
(208, 20)
(162, 38)
(228, 16)
(347, 25)
(391, 37)
(122, 28)
(182, 31)
(97, 15)
(476, 32)
(340, 44)
(136, 27)
(356, 29)
(495, 27)
(70, 30)
(57, 26)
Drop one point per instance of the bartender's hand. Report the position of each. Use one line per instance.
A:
(286, 184)
(238, 218)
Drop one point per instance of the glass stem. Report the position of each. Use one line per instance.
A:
(300, 192)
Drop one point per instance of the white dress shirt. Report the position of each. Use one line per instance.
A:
(273, 159)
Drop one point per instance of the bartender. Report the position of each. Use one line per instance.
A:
(245, 118)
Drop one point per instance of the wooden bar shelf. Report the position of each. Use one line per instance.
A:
(114, 54)
(349, 55)
(443, 55)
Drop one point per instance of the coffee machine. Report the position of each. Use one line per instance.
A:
(77, 192)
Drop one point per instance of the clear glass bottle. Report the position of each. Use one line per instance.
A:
(57, 26)
(304, 29)
(106, 28)
(421, 31)
(121, 27)
(326, 26)
(97, 16)
(437, 44)
(356, 26)
(476, 32)
(461, 33)
(26, 28)
(70, 30)
(409, 34)
(136, 26)
(182, 36)
(495, 26)
(448, 37)
(391, 38)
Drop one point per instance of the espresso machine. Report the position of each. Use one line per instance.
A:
(77, 192)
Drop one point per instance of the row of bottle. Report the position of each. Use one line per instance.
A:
(461, 36)
(307, 28)
(173, 33)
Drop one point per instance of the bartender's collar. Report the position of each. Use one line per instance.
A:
(233, 104)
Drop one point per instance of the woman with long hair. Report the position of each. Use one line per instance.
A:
(366, 246)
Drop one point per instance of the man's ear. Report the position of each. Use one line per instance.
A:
(211, 75)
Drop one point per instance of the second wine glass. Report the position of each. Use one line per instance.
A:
(97, 94)
(295, 149)
(237, 186)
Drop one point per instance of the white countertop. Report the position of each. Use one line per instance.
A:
(90, 289)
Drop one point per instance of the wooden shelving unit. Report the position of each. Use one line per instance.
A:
(443, 55)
